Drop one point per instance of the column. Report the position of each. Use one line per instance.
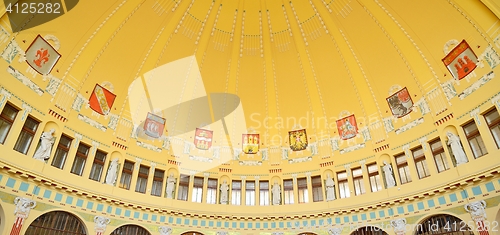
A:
(23, 208)
(478, 214)
(101, 223)
(257, 191)
(205, 187)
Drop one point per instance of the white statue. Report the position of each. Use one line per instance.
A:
(330, 188)
(224, 188)
(334, 231)
(456, 148)
(164, 230)
(112, 172)
(476, 210)
(276, 193)
(100, 223)
(170, 186)
(399, 226)
(23, 207)
(46, 142)
(388, 175)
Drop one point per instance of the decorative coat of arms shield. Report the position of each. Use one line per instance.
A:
(347, 127)
(400, 103)
(203, 139)
(461, 60)
(41, 56)
(101, 100)
(298, 139)
(154, 125)
(250, 143)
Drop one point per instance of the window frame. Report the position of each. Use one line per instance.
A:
(96, 163)
(403, 165)
(10, 122)
(475, 135)
(79, 155)
(29, 132)
(64, 149)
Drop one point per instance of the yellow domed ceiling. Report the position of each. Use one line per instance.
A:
(351, 74)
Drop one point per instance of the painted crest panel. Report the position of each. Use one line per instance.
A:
(203, 139)
(400, 103)
(154, 125)
(250, 143)
(348, 128)
(461, 60)
(298, 139)
(41, 56)
(101, 100)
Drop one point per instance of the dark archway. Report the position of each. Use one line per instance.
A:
(130, 230)
(307, 233)
(192, 233)
(369, 230)
(442, 224)
(57, 222)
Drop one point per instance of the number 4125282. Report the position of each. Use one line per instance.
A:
(32, 8)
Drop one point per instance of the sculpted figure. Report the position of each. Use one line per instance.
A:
(46, 142)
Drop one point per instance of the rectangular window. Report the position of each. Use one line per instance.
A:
(439, 156)
(98, 165)
(420, 162)
(493, 120)
(157, 186)
(475, 141)
(7, 118)
(374, 176)
(404, 171)
(317, 190)
(142, 179)
(357, 178)
(126, 178)
(212, 191)
(264, 193)
(182, 193)
(303, 192)
(197, 195)
(288, 191)
(80, 159)
(343, 185)
(250, 193)
(26, 136)
(61, 152)
(236, 192)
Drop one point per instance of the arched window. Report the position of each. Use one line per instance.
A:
(130, 230)
(443, 224)
(56, 222)
(307, 233)
(192, 233)
(369, 230)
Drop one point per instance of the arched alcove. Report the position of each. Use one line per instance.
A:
(368, 230)
(442, 224)
(307, 233)
(2, 218)
(130, 229)
(192, 233)
(57, 222)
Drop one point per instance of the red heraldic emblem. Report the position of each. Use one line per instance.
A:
(101, 100)
(250, 143)
(461, 60)
(154, 125)
(203, 139)
(298, 139)
(41, 56)
(400, 103)
(347, 127)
